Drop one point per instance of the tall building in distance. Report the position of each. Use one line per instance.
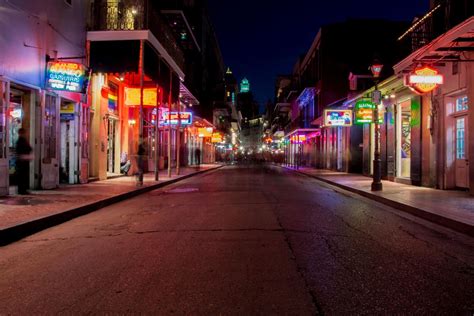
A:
(244, 86)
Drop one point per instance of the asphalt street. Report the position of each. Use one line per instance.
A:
(241, 240)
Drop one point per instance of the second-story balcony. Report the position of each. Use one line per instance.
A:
(135, 15)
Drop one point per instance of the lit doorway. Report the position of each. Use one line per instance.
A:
(111, 148)
(403, 139)
(69, 140)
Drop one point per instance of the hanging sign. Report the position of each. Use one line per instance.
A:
(298, 139)
(66, 76)
(217, 138)
(132, 96)
(424, 79)
(337, 118)
(205, 131)
(166, 118)
(66, 112)
(364, 112)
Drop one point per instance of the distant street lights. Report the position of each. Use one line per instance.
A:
(376, 69)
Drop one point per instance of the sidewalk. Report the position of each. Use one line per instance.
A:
(23, 215)
(453, 209)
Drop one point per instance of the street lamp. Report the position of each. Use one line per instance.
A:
(376, 69)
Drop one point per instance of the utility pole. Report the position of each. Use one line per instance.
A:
(178, 138)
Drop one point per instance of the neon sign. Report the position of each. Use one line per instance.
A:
(337, 118)
(217, 138)
(186, 118)
(205, 131)
(364, 112)
(298, 139)
(66, 76)
(424, 79)
(132, 96)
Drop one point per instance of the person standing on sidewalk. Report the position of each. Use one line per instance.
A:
(197, 152)
(23, 157)
(140, 163)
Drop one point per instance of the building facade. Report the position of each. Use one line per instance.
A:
(46, 33)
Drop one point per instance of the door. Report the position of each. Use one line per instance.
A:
(111, 132)
(4, 152)
(49, 142)
(462, 157)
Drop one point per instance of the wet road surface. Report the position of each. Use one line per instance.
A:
(241, 240)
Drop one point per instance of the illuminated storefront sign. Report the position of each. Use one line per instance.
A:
(364, 112)
(66, 76)
(424, 79)
(205, 131)
(338, 117)
(217, 138)
(298, 139)
(67, 111)
(186, 118)
(132, 96)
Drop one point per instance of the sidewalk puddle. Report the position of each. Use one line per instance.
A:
(183, 190)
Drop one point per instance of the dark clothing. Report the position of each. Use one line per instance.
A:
(198, 156)
(23, 149)
(140, 163)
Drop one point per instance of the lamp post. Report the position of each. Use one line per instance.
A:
(376, 69)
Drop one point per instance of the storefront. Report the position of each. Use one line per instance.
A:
(446, 90)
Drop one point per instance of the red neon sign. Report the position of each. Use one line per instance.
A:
(424, 79)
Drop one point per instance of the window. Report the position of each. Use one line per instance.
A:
(50, 115)
(460, 137)
(462, 103)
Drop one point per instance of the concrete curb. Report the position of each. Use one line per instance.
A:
(14, 233)
(426, 215)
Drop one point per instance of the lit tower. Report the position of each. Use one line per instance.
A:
(244, 86)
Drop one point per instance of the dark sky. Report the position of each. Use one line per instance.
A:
(262, 38)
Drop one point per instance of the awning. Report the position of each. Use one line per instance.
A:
(186, 96)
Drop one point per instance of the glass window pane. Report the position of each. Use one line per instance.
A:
(460, 141)
(462, 103)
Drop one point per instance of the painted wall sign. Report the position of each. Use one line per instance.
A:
(186, 118)
(337, 118)
(132, 96)
(424, 79)
(66, 76)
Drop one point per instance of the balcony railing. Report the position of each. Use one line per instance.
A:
(441, 18)
(129, 15)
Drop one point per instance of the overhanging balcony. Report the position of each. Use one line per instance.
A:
(135, 20)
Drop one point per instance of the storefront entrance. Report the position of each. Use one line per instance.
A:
(19, 116)
(111, 146)
(69, 162)
(403, 139)
(4, 130)
(462, 159)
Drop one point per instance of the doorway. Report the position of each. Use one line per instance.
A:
(462, 158)
(68, 169)
(403, 139)
(111, 148)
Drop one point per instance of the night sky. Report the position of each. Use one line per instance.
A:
(262, 38)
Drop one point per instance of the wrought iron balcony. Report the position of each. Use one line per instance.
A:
(130, 15)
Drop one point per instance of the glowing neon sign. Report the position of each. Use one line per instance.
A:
(132, 96)
(66, 76)
(424, 79)
(186, 118)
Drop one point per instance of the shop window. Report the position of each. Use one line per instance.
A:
(50, 116)
(462, 104)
